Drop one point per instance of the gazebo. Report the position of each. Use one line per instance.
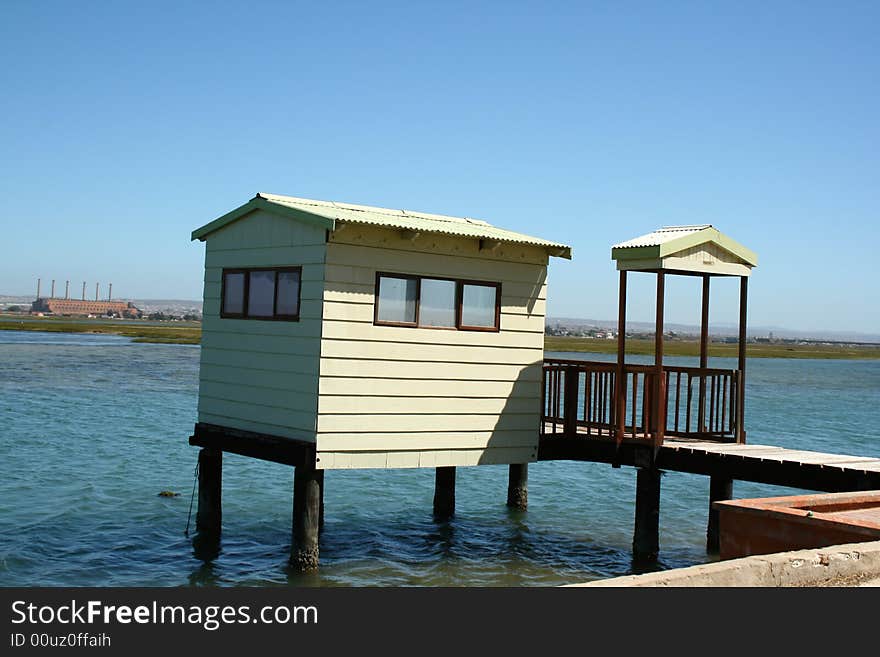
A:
(705, 252)
(643, 403)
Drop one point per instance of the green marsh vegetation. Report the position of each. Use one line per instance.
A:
(692, 348)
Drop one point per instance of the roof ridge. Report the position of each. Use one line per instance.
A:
(683, 227)
(374, 208)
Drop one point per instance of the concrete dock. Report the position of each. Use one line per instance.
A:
(850, 565)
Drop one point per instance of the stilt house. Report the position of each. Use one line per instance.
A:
(370, 338)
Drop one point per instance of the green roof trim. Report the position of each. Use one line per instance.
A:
(655, 246)
(259, 203)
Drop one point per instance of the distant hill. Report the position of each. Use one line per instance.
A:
(720, 330)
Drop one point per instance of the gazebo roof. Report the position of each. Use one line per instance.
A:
(699, 249)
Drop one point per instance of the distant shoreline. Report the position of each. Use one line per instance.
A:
(191, 333)
(173, 333)
(691, 347)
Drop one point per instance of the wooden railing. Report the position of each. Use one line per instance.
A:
(581, 398)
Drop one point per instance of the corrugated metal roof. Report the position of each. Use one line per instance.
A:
(661, 236)
(670, 240)
(411, 220)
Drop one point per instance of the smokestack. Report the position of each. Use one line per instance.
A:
(84, 290)
(96, 291)
(39, 280)
(52, 296)
(66, 289)
(110, 293)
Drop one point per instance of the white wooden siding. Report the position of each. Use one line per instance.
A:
(263, 375)
(425, 458)
(413, 397)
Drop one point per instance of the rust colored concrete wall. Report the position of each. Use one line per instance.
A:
(775, 524)
(743, 535)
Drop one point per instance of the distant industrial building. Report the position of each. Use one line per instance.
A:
(80, 307)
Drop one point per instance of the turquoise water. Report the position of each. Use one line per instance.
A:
(92, 428)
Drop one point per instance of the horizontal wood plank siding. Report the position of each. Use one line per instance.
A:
(257, 427)
(263, 375)
(346, 386)
(400, 369)
(343, 442)
(426, 424)
(419, 397)
(374, 404)
(427, 352)
(424, 458)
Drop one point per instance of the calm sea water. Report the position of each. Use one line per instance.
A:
(92, 428)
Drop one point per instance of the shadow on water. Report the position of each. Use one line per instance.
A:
(442, 538)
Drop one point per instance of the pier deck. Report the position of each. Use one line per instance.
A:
(745, 462)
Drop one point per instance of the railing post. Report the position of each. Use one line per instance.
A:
(659, 415)
(662, 404)
(741, 391)
(570, 401)
(740, 415)
(620, 381)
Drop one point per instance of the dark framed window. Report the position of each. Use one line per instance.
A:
(268, 293)
(413, 301)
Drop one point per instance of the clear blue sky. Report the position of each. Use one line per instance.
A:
(126, 125)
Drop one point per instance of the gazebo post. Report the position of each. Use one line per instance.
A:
(659, 405)
(704, 353)
(620, 387)
(741, 388)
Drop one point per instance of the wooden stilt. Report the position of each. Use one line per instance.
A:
(306, 517)
(444, 493)
(209, 515)
(518, 486)
(720, 488)
(646, 537)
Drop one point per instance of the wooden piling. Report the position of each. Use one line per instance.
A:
(307, 485)
(444, 493)
(209, 515)
(720, 489)
(518, 486)
(646, 536)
